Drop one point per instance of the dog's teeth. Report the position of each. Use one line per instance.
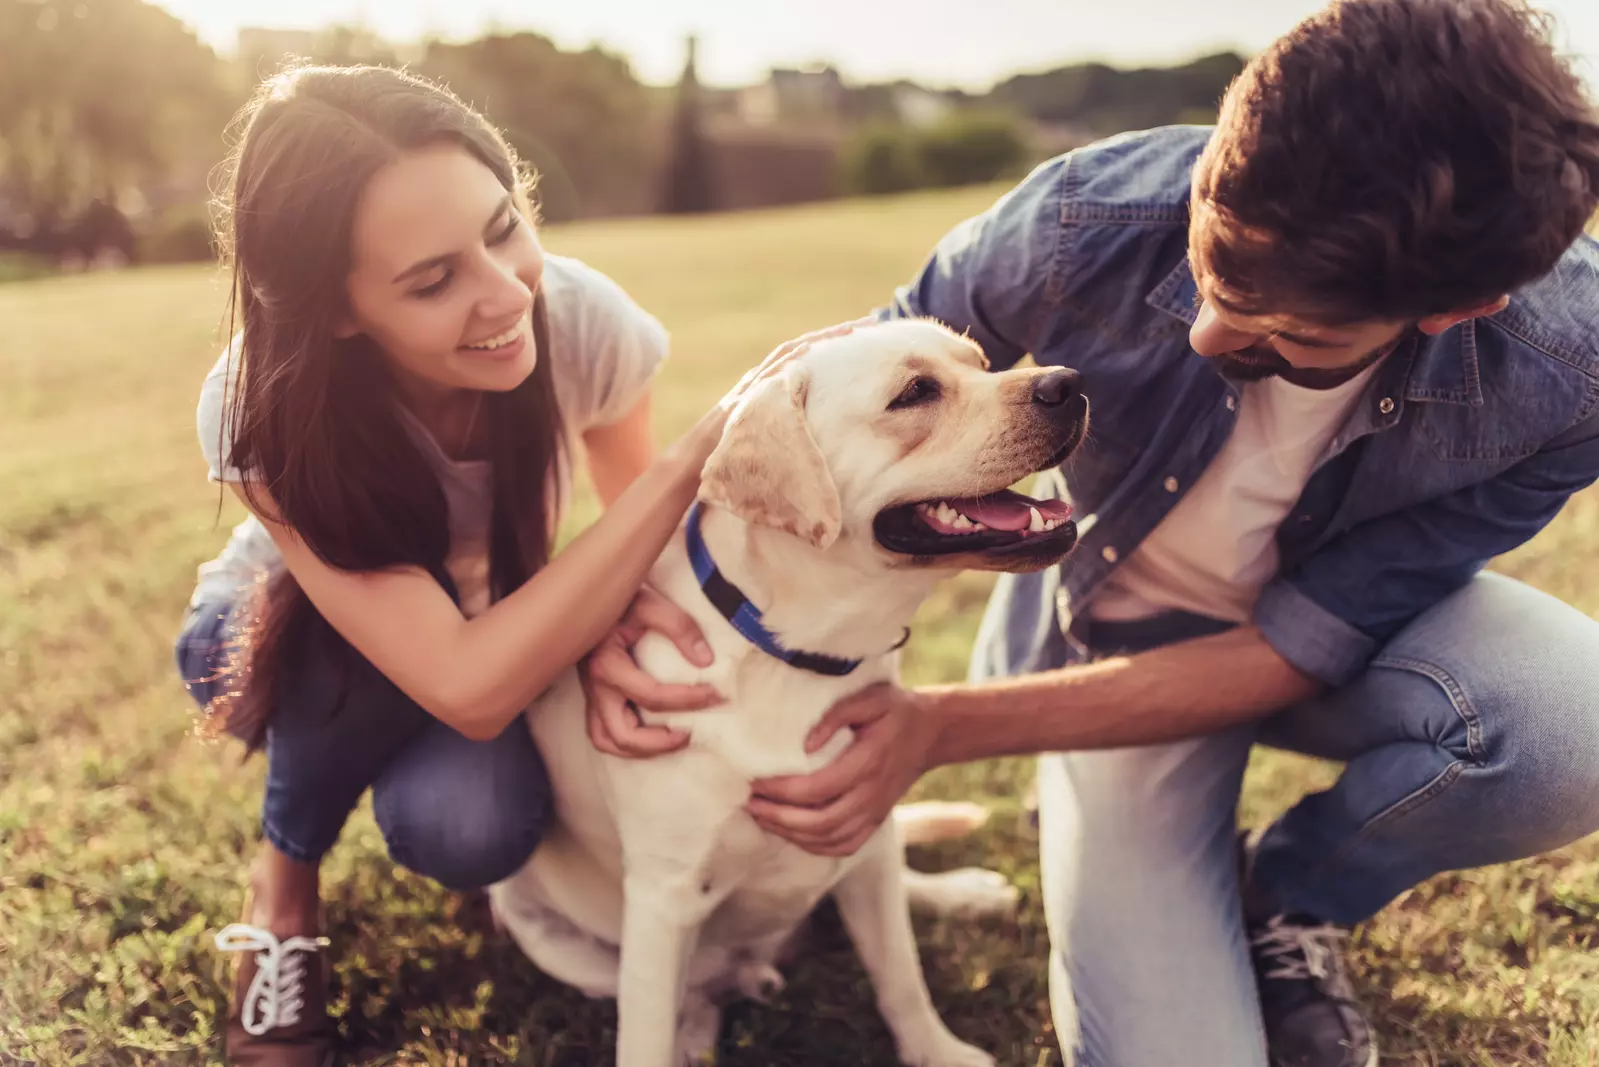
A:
(961, 522)
(1050, 524)
(947, 513)
(978, 526)
(1036, 523)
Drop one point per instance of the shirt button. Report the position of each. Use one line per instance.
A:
(1231, 402)
(1170, 484)
(1109, 554)
(1386, 405)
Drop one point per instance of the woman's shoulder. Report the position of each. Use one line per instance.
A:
(582, 299)
(606, 346)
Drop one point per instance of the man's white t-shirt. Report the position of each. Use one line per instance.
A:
(604, 350)
(1214, 552)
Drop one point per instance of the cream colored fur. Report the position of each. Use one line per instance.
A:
(654, 886)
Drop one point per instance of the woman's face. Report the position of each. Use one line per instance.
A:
(443, 274)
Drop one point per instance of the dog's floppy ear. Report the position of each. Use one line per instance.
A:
(767, 468)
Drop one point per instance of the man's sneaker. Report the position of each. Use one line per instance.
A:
(1312, 1017)
(277, 1016)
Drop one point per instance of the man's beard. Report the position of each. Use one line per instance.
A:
(1258, 363)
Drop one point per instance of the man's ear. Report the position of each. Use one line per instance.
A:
(767, 468)
(1433, 325)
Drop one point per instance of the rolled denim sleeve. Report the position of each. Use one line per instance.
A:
(991, 276)
(1330, 614)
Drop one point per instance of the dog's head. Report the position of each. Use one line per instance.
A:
(897, 436)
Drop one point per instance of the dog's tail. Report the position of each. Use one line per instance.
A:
(928, 821)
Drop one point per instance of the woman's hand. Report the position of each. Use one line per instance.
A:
(782, 354)
(615, 686)
(708, 431)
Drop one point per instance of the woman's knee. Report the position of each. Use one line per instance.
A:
(465, 813)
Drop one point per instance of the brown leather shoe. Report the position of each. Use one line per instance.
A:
(277, 1016)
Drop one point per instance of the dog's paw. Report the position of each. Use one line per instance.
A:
(943, 1049)
(760, 982)
(698, 1027)
(967, 893)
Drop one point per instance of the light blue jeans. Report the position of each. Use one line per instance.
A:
(464, 813)
(1472, 739)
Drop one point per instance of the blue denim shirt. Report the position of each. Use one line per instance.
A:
(1462, 446)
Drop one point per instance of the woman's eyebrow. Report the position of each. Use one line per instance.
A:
(433, 261)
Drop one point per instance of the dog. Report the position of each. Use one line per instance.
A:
(843, 489)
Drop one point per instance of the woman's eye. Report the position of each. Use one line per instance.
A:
(919, 391)
(436, 288)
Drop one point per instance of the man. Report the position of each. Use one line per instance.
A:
(1342, 351)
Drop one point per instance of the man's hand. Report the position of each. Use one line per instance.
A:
(615, 686)
(834, 811)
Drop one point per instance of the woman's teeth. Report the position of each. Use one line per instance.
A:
(501, 341)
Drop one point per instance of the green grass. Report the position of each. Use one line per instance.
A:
(20, 266)
(123, 841)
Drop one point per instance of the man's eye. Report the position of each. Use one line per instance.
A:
(510, 228)
(918, 391)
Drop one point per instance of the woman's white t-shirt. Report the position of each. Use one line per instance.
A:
(604, 349)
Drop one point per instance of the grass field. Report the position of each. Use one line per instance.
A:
(123, 841)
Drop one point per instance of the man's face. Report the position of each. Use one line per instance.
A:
(1311, 356)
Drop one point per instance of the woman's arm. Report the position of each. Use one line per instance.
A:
(619, 452)
(478, 674)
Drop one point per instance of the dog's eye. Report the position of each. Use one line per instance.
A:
(919, 391)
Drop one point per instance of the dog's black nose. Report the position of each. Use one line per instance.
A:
(1055, 388)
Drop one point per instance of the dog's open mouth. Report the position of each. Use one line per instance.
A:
(973, 524)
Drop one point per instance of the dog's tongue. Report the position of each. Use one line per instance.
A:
(1009, 511)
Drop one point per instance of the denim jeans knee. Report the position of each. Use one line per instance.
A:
(465, 813)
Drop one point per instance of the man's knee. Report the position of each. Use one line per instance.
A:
(1513, 676)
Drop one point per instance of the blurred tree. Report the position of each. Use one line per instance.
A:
(967, 147)
(882, 159)
(96, 97)
(962, 148)
(688, 185)
(579, 118)
(1105, 100)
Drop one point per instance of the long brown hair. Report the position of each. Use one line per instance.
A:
(313, 420)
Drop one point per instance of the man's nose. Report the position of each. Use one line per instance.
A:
(1209, 336)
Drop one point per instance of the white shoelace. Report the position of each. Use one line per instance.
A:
(277, 994)
(1285, 941)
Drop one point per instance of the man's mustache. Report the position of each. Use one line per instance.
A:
(1257, 363)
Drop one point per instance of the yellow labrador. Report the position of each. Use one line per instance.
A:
(843, 489)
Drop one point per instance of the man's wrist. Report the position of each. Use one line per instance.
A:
(932, 707)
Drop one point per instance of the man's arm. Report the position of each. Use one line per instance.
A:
(1182, 690)
(1167, 694)
(1315, 626)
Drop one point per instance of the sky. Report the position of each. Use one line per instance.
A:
(965, 43)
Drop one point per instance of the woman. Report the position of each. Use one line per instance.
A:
(398, 411)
